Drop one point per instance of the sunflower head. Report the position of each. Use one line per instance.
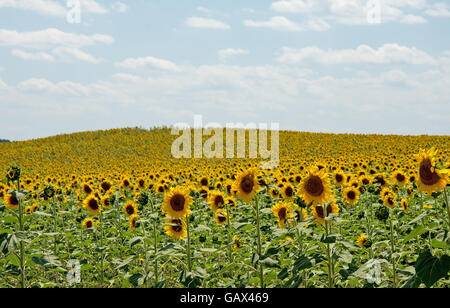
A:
(405, 206)
(176, 228)
(247, 185)
(13, 173)
(288, 192)
(320, 212)
(217, 201)
(283, 212)
(177, 203)
(92, 204)
(130, 208)
(363, 241)
(315, 189)
(11, 201)
(351, 195)
(220, 217)
(133, 221)
(89, 223)
(430, 178)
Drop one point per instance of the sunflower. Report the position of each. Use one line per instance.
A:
(380, 179)
(399, 178)
(389, 200)
(106, 201)
(236, 243)
(203, 181)
(288, 192)
(86, 188)
(133, 221)
(405, 206)
(365, 180)
(130, 208)
(11, 202)
(231, 202)
(274, 192)
(29, 210)
(141, 183)
(89, 223)
(363, 241)
(105, 186)
(125, 184)
(204, 193)
(430, 178)
(314, 189)
(216, 201)
(176, 228)
(318, 212)
(247, 185)
(283, 212)
(220, 217)
(177, 203)
(351, 195)
(92, 204)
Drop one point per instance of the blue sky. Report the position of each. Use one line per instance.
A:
(320, 66)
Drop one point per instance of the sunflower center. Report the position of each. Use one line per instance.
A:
(351, 195)
(289, 192)
(89, 224)
(247, 184)
(222, 218)
(282, 213)
(400, 177)
(204, 182)
(177, 203)
(314, 186)
(426, 175)
(218, 201)
(93, 204)
(339, 178)
(13, 200)
(177, 225)
(130, 210)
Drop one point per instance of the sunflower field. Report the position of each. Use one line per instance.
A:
(114, 209)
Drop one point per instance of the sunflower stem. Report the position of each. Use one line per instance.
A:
(394, 269)
(21, 247)
(447, 205)
(258, 231)
(188, 244)
(230, 253)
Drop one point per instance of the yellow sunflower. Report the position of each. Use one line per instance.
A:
(92, 204)
(362, 241)
(133, 221)
(288, 192)
(11, 202)
(89, 223)
(176, 228)
(430, 178)
(130, 208)
(247, 185)
(315, 189)
(177, 203)
(399, 178)
(216, 201)
(318, 212)
(283, 212)
(405, 206)
(220, 217)
(351, 195)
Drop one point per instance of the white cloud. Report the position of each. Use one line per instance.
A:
(45, 7)
(413, 19)
(318, 24)
(120, 7)
(439, 9)
(3, 85)
(127, 77)
(276, 23)
(52, 7)
(295, 6)
(50, 38)
(207, 23)
(203, 9)
(39, 56)
(225, 53)
(388, 53)
(60, 88)
(69, 53)
(137, 63)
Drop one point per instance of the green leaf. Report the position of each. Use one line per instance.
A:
(439, 244)
(419, 230)
(269, 262)
(430, 269)
(302, 263)
(136, 279)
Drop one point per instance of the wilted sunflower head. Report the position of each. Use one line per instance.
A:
(177, 203)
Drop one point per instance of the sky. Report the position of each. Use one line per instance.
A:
(339, 66)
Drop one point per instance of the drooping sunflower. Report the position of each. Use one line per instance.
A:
(11, 201)
(130, 208)
(176, 228)
(405, 205)
(315, 189)
(351, 195)
(177, 203)
(216, 201)
(231, 202)
(318, 212)
(92, 204)
(220, 217)
(247, 185)
(283, 212)
(106, 201)
(430, 178)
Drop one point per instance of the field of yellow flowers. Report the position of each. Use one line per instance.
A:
(115, 209)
